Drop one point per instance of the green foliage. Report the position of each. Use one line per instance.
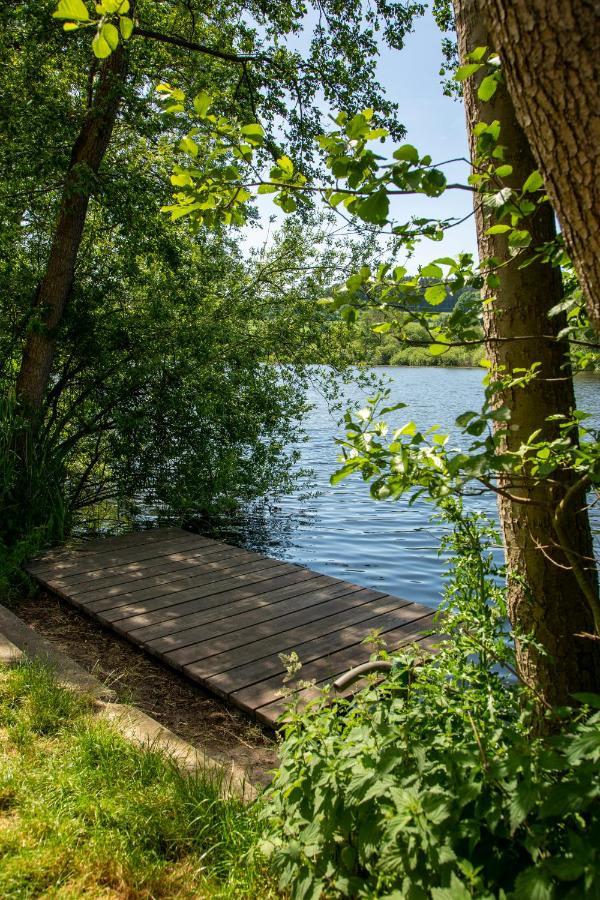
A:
(392, 336)
(166, 398)
(32, 498)
(85, 813)
(429, 785)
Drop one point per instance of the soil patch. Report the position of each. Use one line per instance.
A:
(165, 695)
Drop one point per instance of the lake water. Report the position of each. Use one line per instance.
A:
(387, 545)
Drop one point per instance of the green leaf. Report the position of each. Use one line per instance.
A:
(437, 349)
(126, 26)
(431, 271)
(72, 9)
(465, 418)
(382, 328)
(202, 103)
(70, 26)
(435, 294)
(189, 146)
(408, 153)
(446, 261)
(499, 229)
(464, 72)
(100, 46)
(254, 133)
(519, 239)
(477, 54)
(534, 884)
(533, 183)
(110, 35)
(286, 165)
(374, 208)
(409, 429)
(339, 476)
(504, 171)
(589, 699)
(487, 88)
(286, 202)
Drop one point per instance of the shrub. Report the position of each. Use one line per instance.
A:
(430, 784)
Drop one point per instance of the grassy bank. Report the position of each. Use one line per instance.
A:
(86, 814)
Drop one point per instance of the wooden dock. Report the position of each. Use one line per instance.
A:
(222, 615)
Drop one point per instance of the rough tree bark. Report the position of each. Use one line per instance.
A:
(544, 595)
(550, 51)
(57, 282)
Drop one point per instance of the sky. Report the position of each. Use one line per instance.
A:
(435, 124)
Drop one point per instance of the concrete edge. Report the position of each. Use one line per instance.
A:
(34, 645)
(18, 641)
(142, 729)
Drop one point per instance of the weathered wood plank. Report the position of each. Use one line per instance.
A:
(384, 615)
(104, 544)
(315, 607)
(220, 592)
(223, 614)
(176, 561)
(322, 669)
(163, 572)
(160, 586)
(224, 606)
(98, 561)
(315, 592)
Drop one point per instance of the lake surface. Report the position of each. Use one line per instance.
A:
(387, 545)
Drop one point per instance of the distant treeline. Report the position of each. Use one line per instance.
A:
(370, 348)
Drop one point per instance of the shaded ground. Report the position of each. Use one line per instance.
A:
(170, 698)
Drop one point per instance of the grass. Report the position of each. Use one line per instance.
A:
(84, 813)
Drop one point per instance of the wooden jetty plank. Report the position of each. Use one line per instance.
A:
(174, 565)
(384, 615)
(55, 562)
(220, 592)
(314, 592)
(286, 641)
(160, 609)
(322, 669)
(225, 606)
(147, 536)
(270, 713)
(223, 614)
(159, 586)
(212, 642)
(171, 562)
(98, 561)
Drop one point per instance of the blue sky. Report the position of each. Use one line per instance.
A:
(435, 124)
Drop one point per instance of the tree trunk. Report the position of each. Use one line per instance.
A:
(550, 52)
(545, 597)
(56, 284)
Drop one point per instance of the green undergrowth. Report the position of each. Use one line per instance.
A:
(84, 813)
(436, 784)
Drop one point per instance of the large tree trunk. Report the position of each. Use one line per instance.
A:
(550, 51)
(56, 284)
(545, 597)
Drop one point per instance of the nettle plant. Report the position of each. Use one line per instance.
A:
(428, 784)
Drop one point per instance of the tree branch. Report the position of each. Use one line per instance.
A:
(177, 41)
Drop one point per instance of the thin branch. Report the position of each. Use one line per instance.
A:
(177, 41)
